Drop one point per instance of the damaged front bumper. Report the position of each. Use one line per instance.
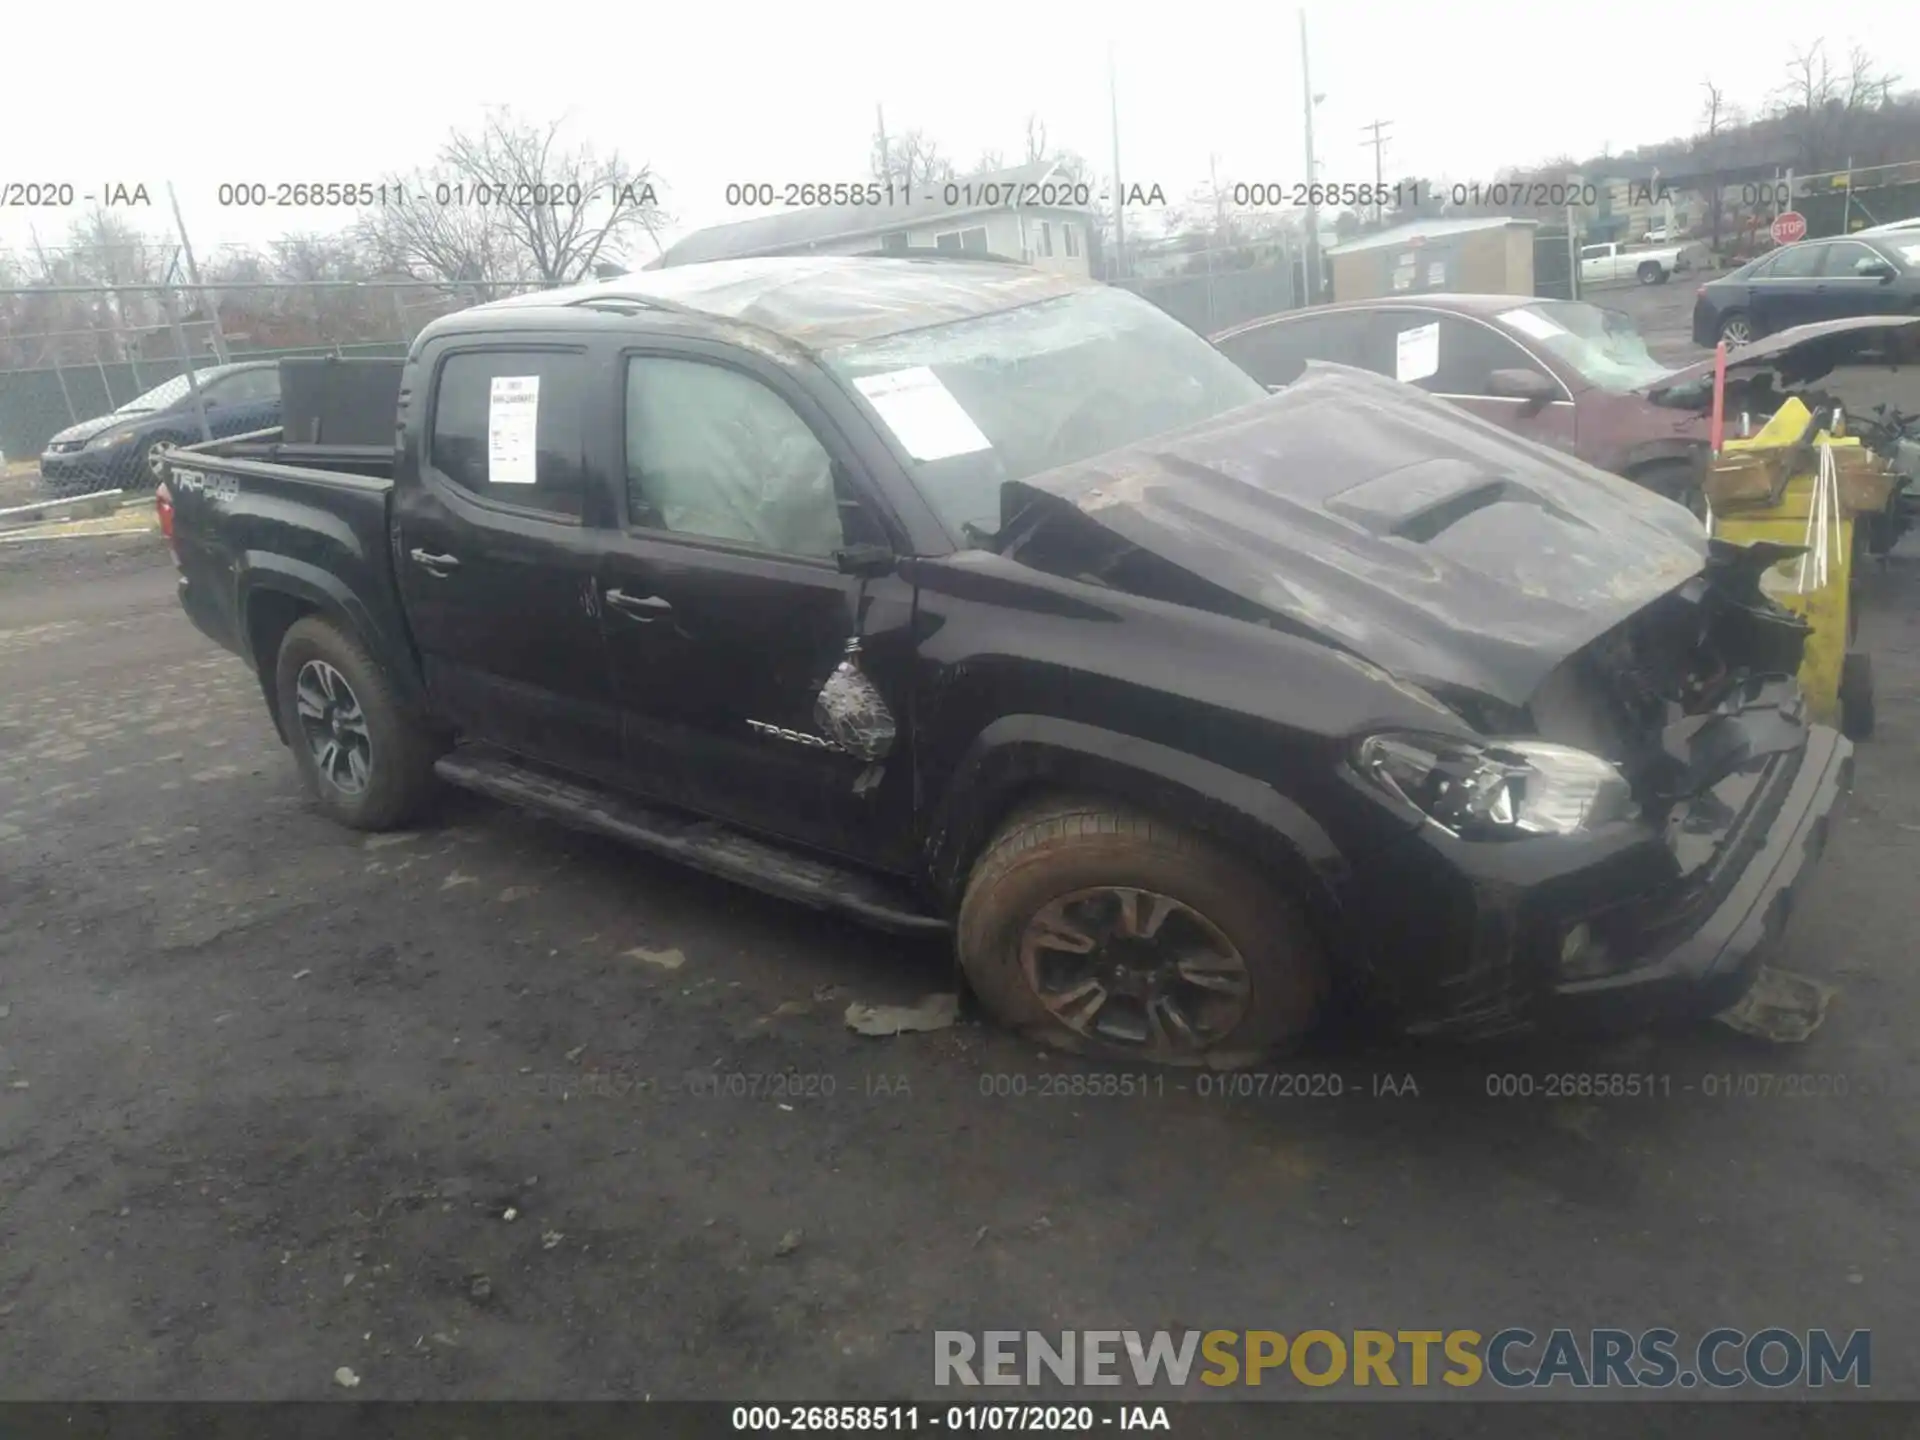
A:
(1636, 923)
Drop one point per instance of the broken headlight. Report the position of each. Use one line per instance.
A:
(1500, 789)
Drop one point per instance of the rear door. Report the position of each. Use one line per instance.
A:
(499, 536)
(1785, 293)
(1454, 357)
(725, 611)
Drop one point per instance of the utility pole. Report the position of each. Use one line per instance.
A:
(1312, 264)
(1118, 267)
(211, 301)
(886, 159)
(1379, 144)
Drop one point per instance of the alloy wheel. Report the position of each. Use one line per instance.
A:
(158, 455)
(1736, 331)
(334, 726)
(1137, 970)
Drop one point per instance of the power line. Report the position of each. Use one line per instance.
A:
(1379, 144)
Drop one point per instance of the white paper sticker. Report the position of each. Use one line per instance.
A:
(1529, 323)
(1417, 352)
(1436, 274)
(923, 414)
(513, 419)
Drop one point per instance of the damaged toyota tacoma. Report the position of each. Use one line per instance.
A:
(961, 597)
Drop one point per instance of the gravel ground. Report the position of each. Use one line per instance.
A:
(276, 1098)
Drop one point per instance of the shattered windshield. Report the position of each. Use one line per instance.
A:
(1000, 397)
(1602, 345)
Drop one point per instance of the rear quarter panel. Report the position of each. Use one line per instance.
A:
(251, 535)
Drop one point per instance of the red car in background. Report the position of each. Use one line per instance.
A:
(1563, 372)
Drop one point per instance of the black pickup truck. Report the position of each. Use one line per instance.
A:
(964, 597)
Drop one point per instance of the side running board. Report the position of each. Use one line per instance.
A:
(703, 844)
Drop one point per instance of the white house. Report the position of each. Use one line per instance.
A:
(980, 214)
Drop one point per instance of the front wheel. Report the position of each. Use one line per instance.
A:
(364, 759)
(1098, 930)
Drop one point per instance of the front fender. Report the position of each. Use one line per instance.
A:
(1019, 754)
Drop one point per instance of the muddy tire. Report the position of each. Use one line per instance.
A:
(366, 762)
(1099, 930)
(1856, 696)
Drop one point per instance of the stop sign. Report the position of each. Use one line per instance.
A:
(1789, 227)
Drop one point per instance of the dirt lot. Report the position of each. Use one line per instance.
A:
(276, 1098)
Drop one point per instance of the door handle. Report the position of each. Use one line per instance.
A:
(436, 565)
(639, 607)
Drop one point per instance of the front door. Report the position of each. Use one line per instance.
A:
(243, 401)
(725, 610)
(1842, 291)
(498, 551)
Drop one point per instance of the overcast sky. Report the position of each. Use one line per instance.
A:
(719, 92)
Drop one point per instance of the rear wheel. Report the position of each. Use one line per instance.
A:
(1651, 274)
(364, 759)
(1736, 329)
(156, 461)
(1099, 930)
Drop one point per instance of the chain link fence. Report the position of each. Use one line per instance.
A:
(71, 353)
(1219, 284)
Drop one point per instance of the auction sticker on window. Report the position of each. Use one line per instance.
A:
(1528, 323)
(1417, 352)
(513, 417)
(922, 413)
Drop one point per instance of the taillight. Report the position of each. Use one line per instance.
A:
(163, 507)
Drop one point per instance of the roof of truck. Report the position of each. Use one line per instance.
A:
(819, 301)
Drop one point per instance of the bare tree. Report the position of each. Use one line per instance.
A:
(910, 160)
(510, 205)
(562, 210)
(445, 241)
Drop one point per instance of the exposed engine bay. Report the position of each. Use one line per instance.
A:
(1672, 694)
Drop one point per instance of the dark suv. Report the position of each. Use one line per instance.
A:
(968, 599)
(129, 448)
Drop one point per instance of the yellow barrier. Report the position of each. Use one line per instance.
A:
(1838, 685)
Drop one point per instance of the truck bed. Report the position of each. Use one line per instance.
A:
(257, 538)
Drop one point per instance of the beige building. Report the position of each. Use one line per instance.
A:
(1484, 256)
(999, 213)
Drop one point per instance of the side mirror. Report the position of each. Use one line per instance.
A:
(1528, 385)
(1878, 269)
(868, 561)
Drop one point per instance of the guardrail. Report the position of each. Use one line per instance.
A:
(77, 507)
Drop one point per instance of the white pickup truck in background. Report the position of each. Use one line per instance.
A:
(1601, 263)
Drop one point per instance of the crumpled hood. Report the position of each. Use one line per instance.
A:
(87, 429)
(1438, 546)
(1802, 354)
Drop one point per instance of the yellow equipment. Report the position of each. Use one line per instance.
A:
(1799, 482)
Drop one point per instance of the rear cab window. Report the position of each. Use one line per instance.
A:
(506, 429)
